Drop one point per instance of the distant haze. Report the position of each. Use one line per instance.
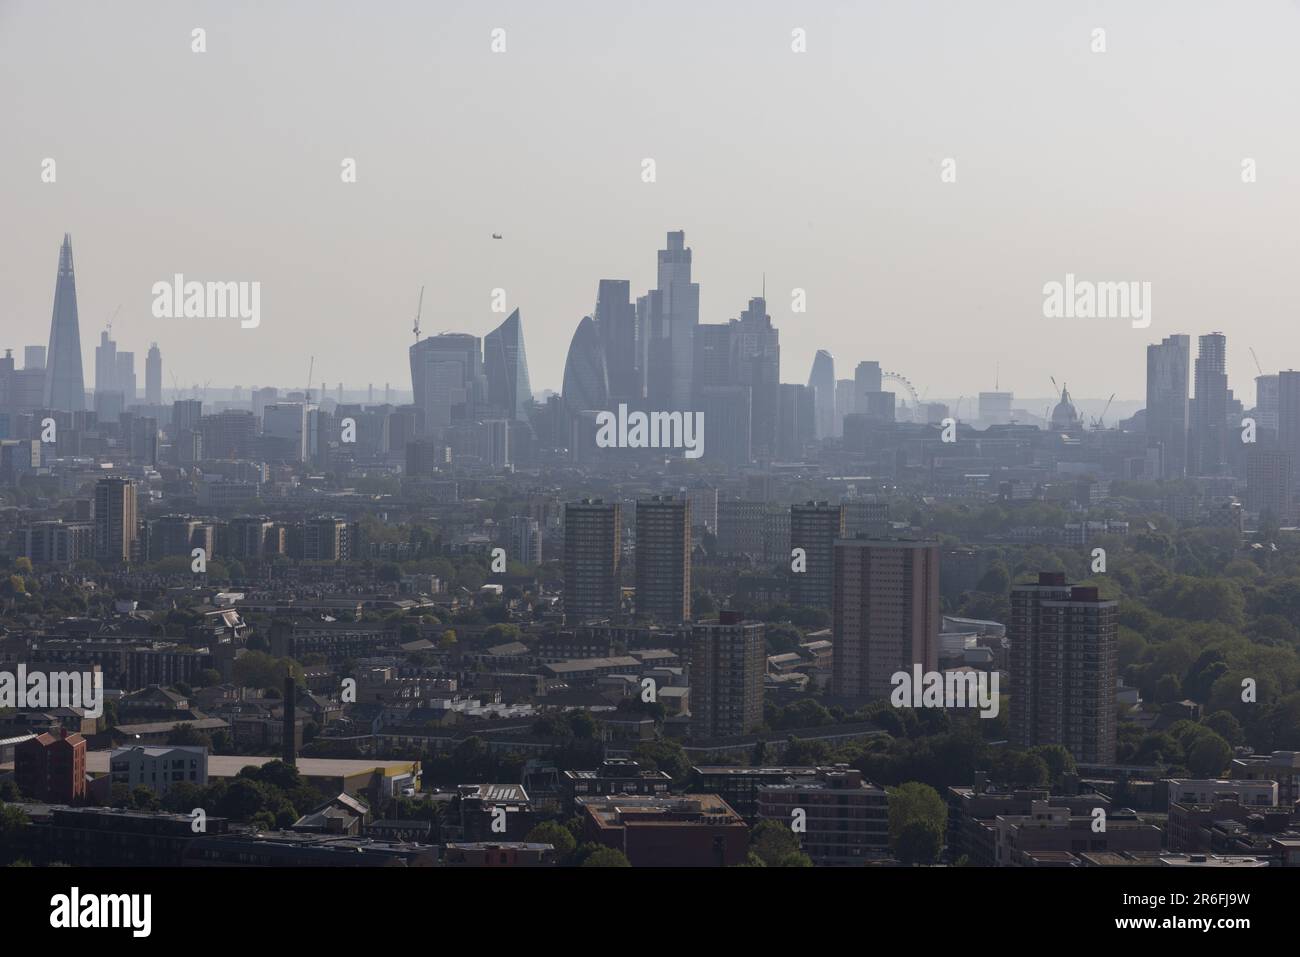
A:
(818, 170)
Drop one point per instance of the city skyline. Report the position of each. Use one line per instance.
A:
(877, 252)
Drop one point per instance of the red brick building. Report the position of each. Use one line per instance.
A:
(52, 767)
(693, 830)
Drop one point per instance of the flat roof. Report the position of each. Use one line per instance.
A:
(229, 765)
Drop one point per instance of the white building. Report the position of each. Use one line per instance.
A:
(159, 769)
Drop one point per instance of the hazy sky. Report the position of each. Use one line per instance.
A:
(820, 169)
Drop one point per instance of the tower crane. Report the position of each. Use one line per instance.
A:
(418, 310)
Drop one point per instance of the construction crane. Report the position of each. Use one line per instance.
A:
(418, 310)
(109, 325)
(1256, 358)
(1100, 421)
(176, 387)
(310, 369)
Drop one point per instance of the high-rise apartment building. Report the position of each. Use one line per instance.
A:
(116, 525)
(1168, 405)
(885, 614)
(663, 559)
(593, 550)
(1209, 410)
(1064, 663)
(728, 662)
(815, 527)
(1288, 416)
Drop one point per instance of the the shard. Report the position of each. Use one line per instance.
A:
(65, 387)
(506, 366)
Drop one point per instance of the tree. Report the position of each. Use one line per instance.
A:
(1225, 724)
(555, 834)
(917, 843)
(13, 822)
(915, 810)
(666, 756)
(1059, 761)
(1207, 754)
(606, 857)
(185, 735)
(773, 843)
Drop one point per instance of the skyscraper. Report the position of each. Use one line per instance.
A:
(447, 379)
(1288, 416)
(126, 383)
(845, 403)
(153, 376)
(814, 527)
(586, 379)
(593, 552)
(728, 662)
(116, 528)
(1269, 483)
(525, 540)
(663, 559)
(506, 366)
(796, 421)
(668, 316)
(1064, 663)
(866, 378)
(106, 363)
(622, 340)
(1209, 413)
(885, 613)
(822, 381)
(756, 362)
(1168, 368)
(65, 387)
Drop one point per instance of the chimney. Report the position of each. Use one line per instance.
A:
(290, 718)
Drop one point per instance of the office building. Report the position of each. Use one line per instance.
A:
(65, 387)
(506, 368)
(153, 376)
(846, 819)
(822, 382)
